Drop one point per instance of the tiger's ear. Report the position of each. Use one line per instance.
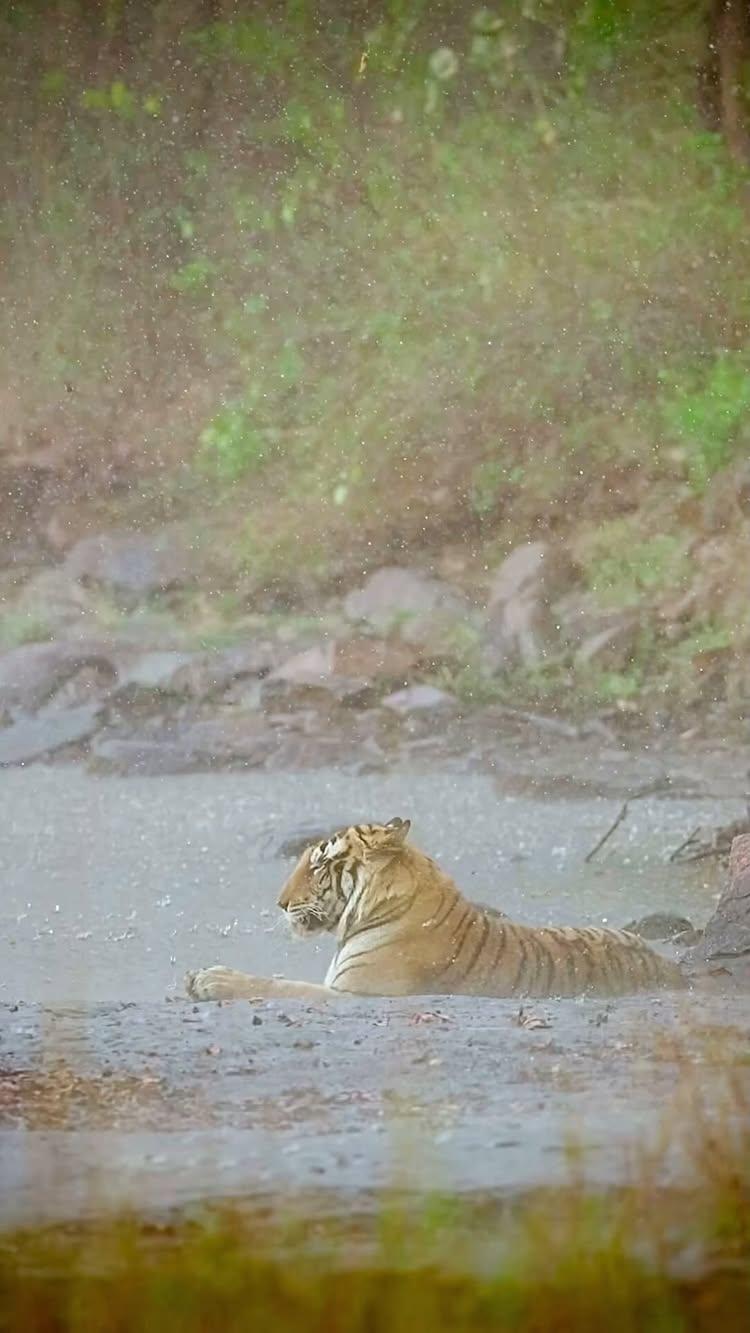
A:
(397, 831)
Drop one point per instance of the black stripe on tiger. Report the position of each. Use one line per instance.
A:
(484, 924)
(523, 952)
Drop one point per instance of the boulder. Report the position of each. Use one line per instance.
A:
(520, 624)
(420, 699)
(208, 674)
(314, 666)
(611, 648)
(150, 671)
(297, 841)
(594, 634)
(53, 602)
(144, 758)
(134, 564)
(33, 738)
(92, 683)
(359, 659)
(409, 601)
(727, 934)
(344, 670)
(214, 742)
(32, 674)
(664, 926)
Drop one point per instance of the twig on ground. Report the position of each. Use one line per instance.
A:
(622, 813)
(649, 790)
(685, 843)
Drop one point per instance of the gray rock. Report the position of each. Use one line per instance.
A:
(91, 683)
(142, 757)
(289, 696)
(134, 563)
(346, 671)
(215, 742)
(611, 648)
(727, 934)
(150, 671)
(208, 674)
(55, 602)
(595, 634)
(420, 699)
(520, 625)
(685, 939)
(395, 597)
(246, 695)
(320, 750)
(295, 843)
(246, 737)
(314, 666)
(32, 674)
(31, 738)
(662, 926)
(358, 660)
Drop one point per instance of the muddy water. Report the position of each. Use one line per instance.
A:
(114, 1089)
(111, 888)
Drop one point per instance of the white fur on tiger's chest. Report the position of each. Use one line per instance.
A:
(353, 950)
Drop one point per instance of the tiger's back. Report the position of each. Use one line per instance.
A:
(415, 933)
(542, 961)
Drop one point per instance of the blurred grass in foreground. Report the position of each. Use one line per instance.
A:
(219, 1275)
(648, 1256)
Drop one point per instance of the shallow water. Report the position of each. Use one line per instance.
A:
(160, 1105)
(112, 888)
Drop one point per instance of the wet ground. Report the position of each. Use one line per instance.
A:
(113, 1088)
(166, 1104)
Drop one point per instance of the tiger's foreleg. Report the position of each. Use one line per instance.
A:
(223, 983)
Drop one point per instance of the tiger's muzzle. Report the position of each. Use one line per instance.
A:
(305, 920)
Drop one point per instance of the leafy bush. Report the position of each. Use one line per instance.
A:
(707, 409)
(621, 567)
(371, 253)
(232, 443)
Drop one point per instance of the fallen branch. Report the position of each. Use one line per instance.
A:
(606, 837)
(703, 843)
(686, 842)
(650, 790)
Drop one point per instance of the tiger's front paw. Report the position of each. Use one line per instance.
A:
(217, 983)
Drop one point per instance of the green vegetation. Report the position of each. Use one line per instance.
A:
(708, 410)
(16, 628)
(622, 568)
(346, 282)
(641, 1257)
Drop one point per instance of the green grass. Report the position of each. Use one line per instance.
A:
(469, 289)
(705, 408)
(383, 263)
(17, 628)
(623, 566)
(563, 1260)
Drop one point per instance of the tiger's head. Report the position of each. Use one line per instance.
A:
(319, 888)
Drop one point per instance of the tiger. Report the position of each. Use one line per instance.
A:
(403, 927)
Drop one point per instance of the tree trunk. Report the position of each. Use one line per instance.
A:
(720, 77)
